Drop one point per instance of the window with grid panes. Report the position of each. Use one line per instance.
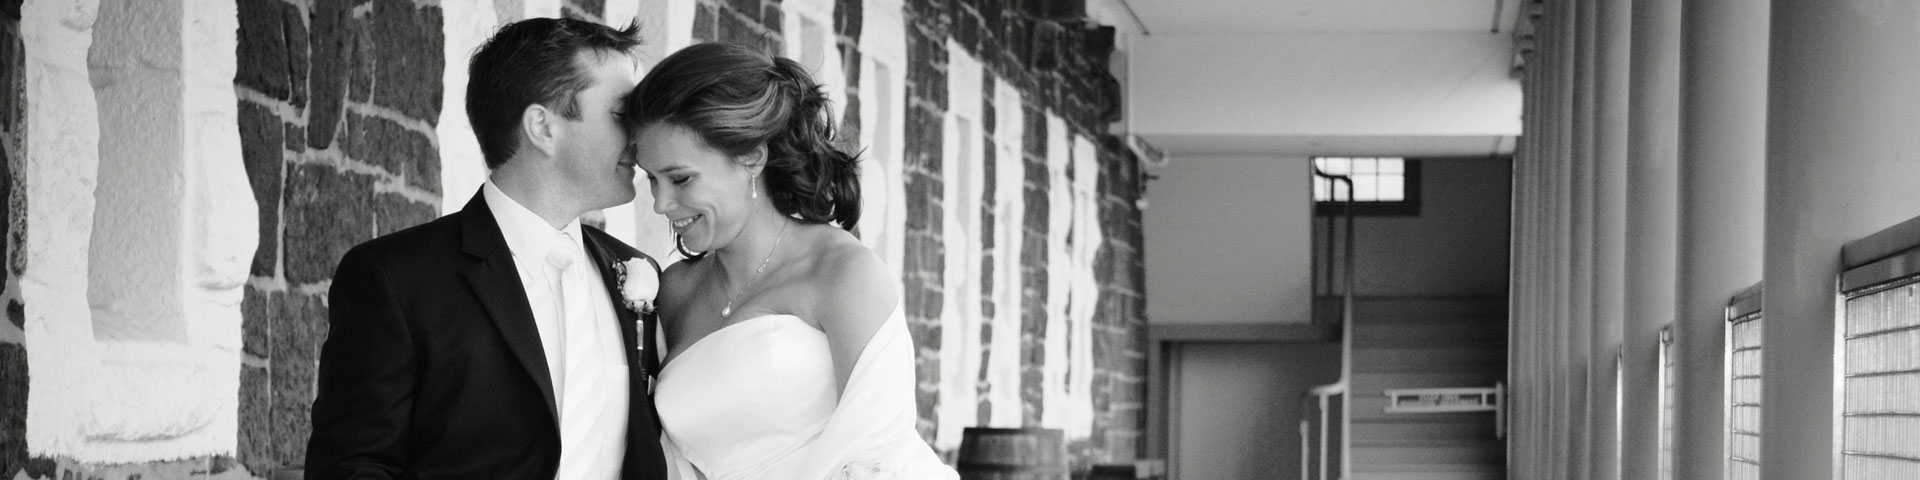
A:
(1743, 388)
(1382, 186)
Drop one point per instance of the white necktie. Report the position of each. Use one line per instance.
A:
(584, 442)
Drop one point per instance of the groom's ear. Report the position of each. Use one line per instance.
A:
(539, 125)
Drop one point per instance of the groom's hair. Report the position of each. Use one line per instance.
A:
(533, 61)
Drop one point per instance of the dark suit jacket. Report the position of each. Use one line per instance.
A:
(433, 367)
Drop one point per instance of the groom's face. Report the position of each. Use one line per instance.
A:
(593, 153)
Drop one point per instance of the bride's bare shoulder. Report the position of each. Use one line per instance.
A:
(848, 270)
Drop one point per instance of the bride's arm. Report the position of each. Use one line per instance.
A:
(855, 298)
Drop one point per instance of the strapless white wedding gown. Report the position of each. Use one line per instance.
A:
(755, 401)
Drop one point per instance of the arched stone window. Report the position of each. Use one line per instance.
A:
(143, 229)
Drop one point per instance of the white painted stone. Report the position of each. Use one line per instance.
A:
(960, 316)
(222, 228)
(883, 216)
(134, 287)
(667, 26)
(1004, 365)
(62, 161)
(620, 13)
(509, 11)
(159, 382)
(1053, 389)
(810, 39)
(462, 167)
(1085, 289)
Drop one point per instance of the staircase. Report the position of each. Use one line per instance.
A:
(1426, 343)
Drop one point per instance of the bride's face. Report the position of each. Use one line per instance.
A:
(702, 191)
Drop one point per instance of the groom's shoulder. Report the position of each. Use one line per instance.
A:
(437, 237)
(613, 243)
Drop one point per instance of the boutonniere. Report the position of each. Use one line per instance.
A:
(639, 283)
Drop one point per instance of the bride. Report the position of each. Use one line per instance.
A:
(786, 355)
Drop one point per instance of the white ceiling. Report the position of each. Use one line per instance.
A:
(1290, 77)
(1271, 16)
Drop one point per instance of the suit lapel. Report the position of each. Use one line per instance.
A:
(603, 259)
(496, 282)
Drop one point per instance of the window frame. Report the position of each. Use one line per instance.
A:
(1408, 206)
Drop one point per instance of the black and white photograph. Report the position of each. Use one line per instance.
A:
(960, 239)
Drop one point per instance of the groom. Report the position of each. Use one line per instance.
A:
(488, 343)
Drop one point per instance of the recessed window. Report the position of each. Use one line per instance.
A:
(1381, 185)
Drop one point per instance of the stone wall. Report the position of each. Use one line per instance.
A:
(13, 349)
(338, 102)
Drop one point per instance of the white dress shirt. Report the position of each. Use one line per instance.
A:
(591, 396)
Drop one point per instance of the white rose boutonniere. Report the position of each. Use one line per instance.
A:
(639, 283)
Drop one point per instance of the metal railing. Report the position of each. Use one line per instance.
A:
(1333, 441)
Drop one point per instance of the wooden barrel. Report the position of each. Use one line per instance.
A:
(1012, 454)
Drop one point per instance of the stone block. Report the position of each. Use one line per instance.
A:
(13, 409)
(849, 18)
(263, 49)
(296, 137)
(364, 64)
(919, 213)
(406, 46)
(17, 314)
(404, 153)
(735, 28)
(299, 65)
(706, 23)
(747, 7)
(256, 420)
(258, 308)
(327, 212)
(771, 18)
(11, 8)
(291, 375)
(393, 212)
(965, 29)
(260, 151)
(331, 40)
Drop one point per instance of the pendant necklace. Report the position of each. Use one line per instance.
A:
(727, 312)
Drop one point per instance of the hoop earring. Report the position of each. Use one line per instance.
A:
(680, 245)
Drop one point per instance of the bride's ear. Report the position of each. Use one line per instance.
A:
(755, 160)
(540, 127)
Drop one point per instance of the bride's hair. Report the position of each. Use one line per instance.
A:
(737, 98)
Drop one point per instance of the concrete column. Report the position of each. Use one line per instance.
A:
(1580, 242)
(1558, 229)
(1652, 148)
(1722, 174)
(1841, 159)
(1609, 233)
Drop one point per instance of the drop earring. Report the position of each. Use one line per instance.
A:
(753, 187)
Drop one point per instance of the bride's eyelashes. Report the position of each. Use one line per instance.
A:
(675, 179)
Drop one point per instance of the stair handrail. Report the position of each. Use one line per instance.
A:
(1324, 393)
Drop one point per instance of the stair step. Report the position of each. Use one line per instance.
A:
(1469, 471)
(1430, 308)
(1428, 453)
(1427, 335)
(1459, 357)
(1423, 427)
(1369, 384)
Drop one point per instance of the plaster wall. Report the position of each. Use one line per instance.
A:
(1227, 241)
